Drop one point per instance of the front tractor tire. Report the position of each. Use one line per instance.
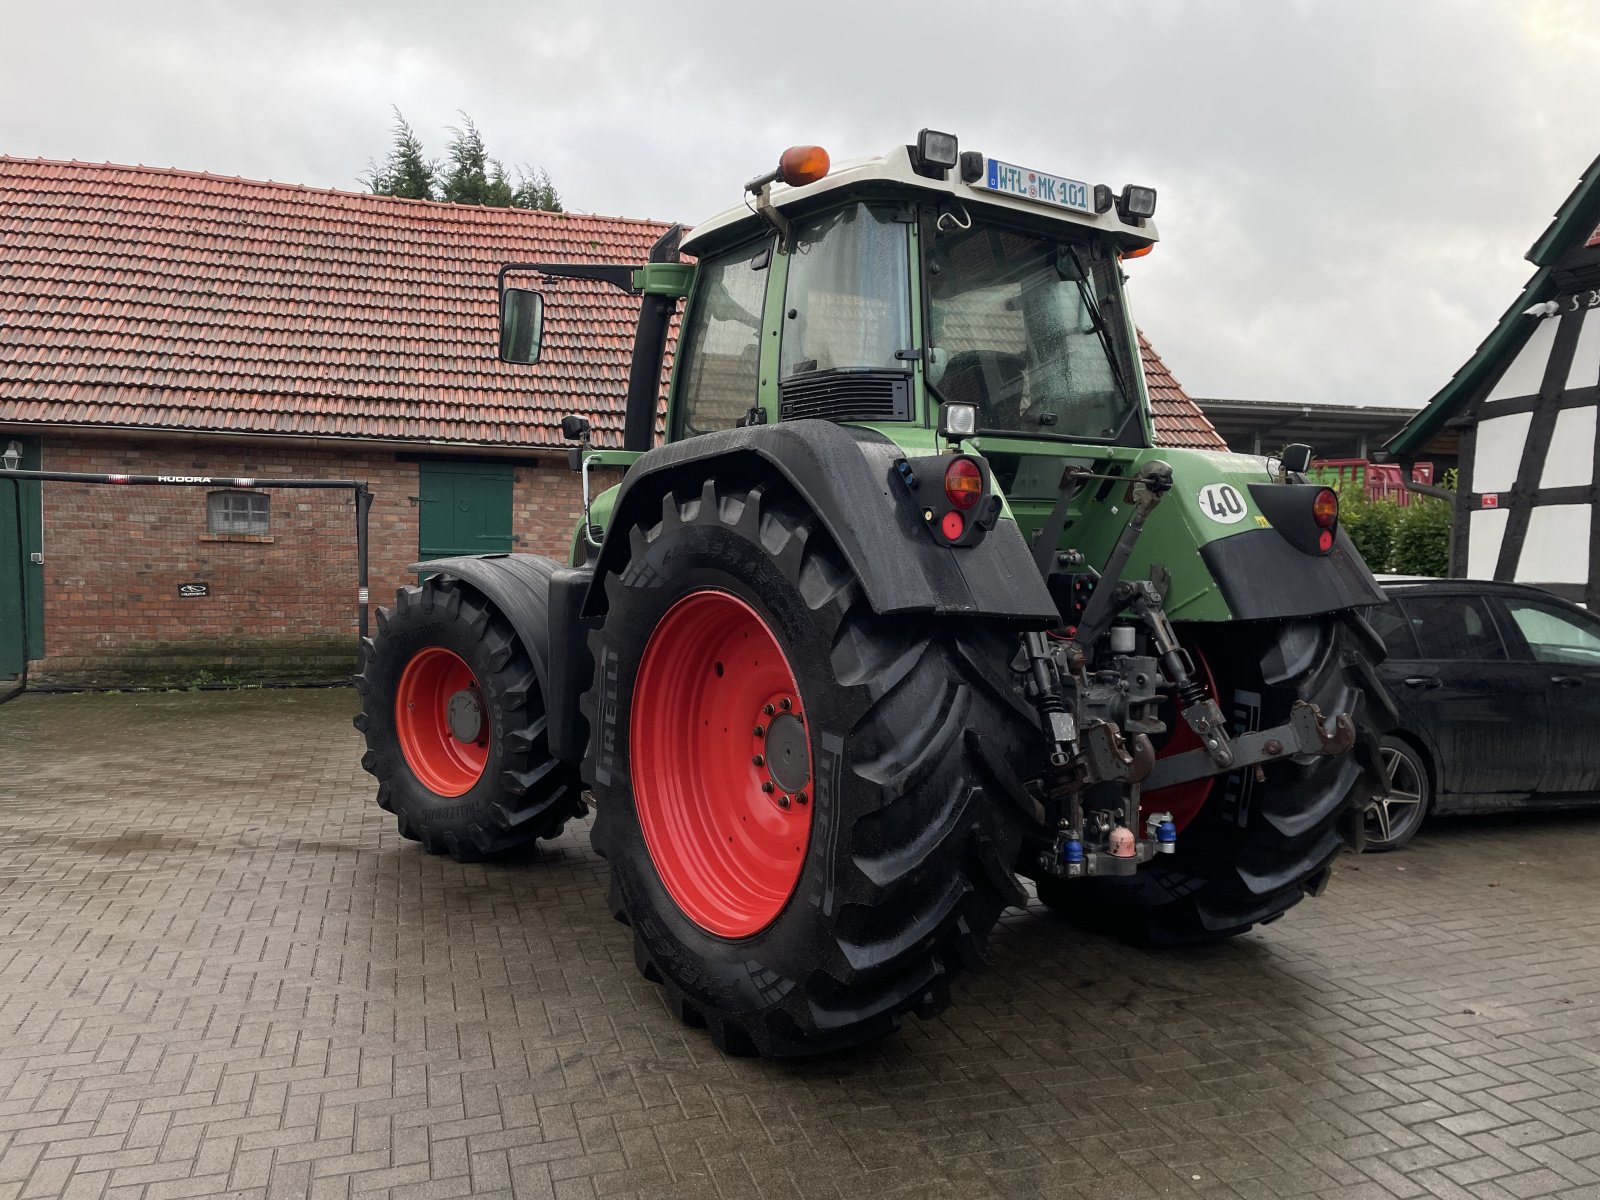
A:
(455, 726)
(1252, 846)
(797, 799)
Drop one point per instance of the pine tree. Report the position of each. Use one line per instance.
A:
(472, 176)
(468, 176)
(406, 172)
(535, 190)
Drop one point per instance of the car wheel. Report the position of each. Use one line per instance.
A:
(1394, 820)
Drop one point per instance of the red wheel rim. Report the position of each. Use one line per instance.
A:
(444, 763)
(721, 764)
(1185, 800)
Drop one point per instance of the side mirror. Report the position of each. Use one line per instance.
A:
(1296, 458)
(521, 325)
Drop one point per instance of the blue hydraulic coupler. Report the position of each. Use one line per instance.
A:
(1072, 857)
(1166, 837)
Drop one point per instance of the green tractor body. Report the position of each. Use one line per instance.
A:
(906, 604)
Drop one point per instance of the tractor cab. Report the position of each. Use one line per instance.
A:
(923, 277)
(877, 291)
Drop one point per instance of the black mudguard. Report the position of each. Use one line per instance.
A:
(540, 598)
(846, 476)
(1262, 576)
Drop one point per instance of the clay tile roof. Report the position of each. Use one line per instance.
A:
(144, 297)
(1178, 419)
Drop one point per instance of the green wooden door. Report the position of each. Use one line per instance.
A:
(19, 538)
(465, 508)
(11, 557)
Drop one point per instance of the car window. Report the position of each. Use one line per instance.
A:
(1454, 627)
(1553, 635)
(1392, 625)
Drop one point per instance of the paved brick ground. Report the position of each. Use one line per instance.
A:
(221, 972)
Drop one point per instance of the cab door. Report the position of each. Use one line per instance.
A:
(1560, 645)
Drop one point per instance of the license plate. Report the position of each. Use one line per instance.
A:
(1012, 180)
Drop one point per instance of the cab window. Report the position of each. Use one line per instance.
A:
(719, 349)
(848, 306)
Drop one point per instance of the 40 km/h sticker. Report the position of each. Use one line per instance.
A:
(1222, 503)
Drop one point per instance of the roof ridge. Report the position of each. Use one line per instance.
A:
(303, 188)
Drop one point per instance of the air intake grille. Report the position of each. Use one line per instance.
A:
(847, 396)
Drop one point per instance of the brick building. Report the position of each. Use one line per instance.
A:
(167, 322)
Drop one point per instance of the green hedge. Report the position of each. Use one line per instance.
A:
(1414, 540)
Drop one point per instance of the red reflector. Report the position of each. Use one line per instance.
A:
(963, 482)
(952, 525)
(1325, 508)
(1325, 540)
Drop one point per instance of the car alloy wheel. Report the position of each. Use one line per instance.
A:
(1394, 819)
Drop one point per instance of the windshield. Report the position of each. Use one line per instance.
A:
(1028, 329)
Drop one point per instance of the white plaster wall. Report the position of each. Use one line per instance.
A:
(1585, 370)
(1485, 531)
(1557, 547)
(1498, 452)
(1570, 462)
(1526, 372)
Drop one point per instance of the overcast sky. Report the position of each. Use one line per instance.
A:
(1346, 188)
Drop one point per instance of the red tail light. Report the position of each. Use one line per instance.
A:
(963, 483)
(1325, 508)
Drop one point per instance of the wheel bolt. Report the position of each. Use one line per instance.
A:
(783, 802)
(799, 797)
(768, 786)
(768, 709)
(784, 704)
(759, 760)
(760, 729)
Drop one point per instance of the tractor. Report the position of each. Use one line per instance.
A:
(905, 608)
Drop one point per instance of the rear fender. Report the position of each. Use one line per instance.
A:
(539, 597)
(846, 476)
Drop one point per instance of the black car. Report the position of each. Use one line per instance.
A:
(1498, 686)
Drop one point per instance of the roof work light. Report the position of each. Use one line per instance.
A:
(1135, 203)
(935, 153)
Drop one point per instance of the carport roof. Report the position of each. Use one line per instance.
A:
(149, 298)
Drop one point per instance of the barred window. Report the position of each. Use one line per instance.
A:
(236, 512)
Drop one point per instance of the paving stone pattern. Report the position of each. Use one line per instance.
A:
(222, 972)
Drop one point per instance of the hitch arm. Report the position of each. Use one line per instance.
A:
(1306, 732)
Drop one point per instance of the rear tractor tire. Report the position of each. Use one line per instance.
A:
(798, 800)
(455, 727)
(1253, 847)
